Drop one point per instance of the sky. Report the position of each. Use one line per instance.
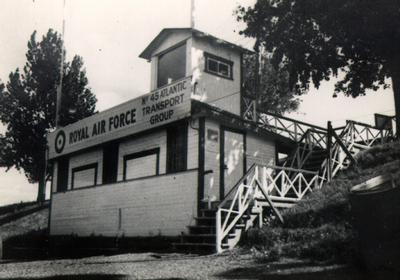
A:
(110, 35)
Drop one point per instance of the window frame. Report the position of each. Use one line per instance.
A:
(219, 60)
(181, 127)
(166, 51)
(81, 168)
(140, 154)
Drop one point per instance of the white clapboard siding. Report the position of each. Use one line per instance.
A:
(162, 205)
(221, 93)
(139, 144)
(193, 145)
(259, 150)
(95, 156)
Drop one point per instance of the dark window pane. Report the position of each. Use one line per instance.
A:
(62, 175)
(171, 66)
(223, 69)
(177, 148)
(212, 65)
(110, 163)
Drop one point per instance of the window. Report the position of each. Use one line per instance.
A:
(218, 66)
(142, 164)
(171, 65)
(62, 174)
(84, 176)
(177, 148)
(110, 163)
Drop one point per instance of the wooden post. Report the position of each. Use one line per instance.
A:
(329, 153)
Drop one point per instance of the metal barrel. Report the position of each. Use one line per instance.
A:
(376, 218)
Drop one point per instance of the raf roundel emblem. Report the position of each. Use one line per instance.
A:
(60, 141)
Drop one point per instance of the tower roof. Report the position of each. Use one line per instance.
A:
(191, 32)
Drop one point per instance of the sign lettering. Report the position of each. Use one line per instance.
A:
(161, 106)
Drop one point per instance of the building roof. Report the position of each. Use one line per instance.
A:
(148, 51)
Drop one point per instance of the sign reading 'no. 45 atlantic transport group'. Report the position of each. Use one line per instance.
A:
(159, 107)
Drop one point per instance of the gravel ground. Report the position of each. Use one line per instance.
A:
(127, 266)
(177, 266)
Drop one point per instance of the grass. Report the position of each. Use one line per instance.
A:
(32, 222)
(320, 226)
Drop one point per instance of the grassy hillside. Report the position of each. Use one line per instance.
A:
(319, 227)
(32, 222)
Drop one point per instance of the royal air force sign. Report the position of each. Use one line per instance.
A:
(59, 142)
(159, 107)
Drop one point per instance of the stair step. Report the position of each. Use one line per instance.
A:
(224, 246)
(208, 212)
(202, 229)
(205, 221)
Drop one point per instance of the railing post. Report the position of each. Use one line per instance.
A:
(255, 110)
(329, 153)
(218, 231)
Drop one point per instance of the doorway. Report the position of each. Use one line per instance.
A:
(233, 160)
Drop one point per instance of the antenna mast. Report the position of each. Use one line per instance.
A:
(59, 88)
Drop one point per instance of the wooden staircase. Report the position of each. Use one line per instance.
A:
(319, 154)
(201, 237)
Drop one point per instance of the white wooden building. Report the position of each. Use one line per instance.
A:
(150, 165)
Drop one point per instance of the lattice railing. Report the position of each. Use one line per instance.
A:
(282, 185)
(313, 140)
(281, 125)
(347, 142)
(259, 185)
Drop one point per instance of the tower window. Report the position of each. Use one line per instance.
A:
(218, 66)
(171, 65)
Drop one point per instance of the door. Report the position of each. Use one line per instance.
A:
(232, 160)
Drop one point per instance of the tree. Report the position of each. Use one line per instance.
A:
(267, 85)
(317, 39)
(28, 106)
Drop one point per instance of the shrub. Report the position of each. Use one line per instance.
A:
(319, 227)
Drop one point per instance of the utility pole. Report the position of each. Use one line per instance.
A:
(59, 87)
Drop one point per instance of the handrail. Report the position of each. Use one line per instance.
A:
(364, 124)
(295, 121)
(290, 169)
(244, 194)
(222, 203)
(344, 148)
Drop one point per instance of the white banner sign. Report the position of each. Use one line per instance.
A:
(164, 105)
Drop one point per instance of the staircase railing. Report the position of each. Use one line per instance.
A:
(353, 138)
(290, 128)
(255, 190)
(235, 204)
(363, 136)
(283, 186)
(310, 141)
